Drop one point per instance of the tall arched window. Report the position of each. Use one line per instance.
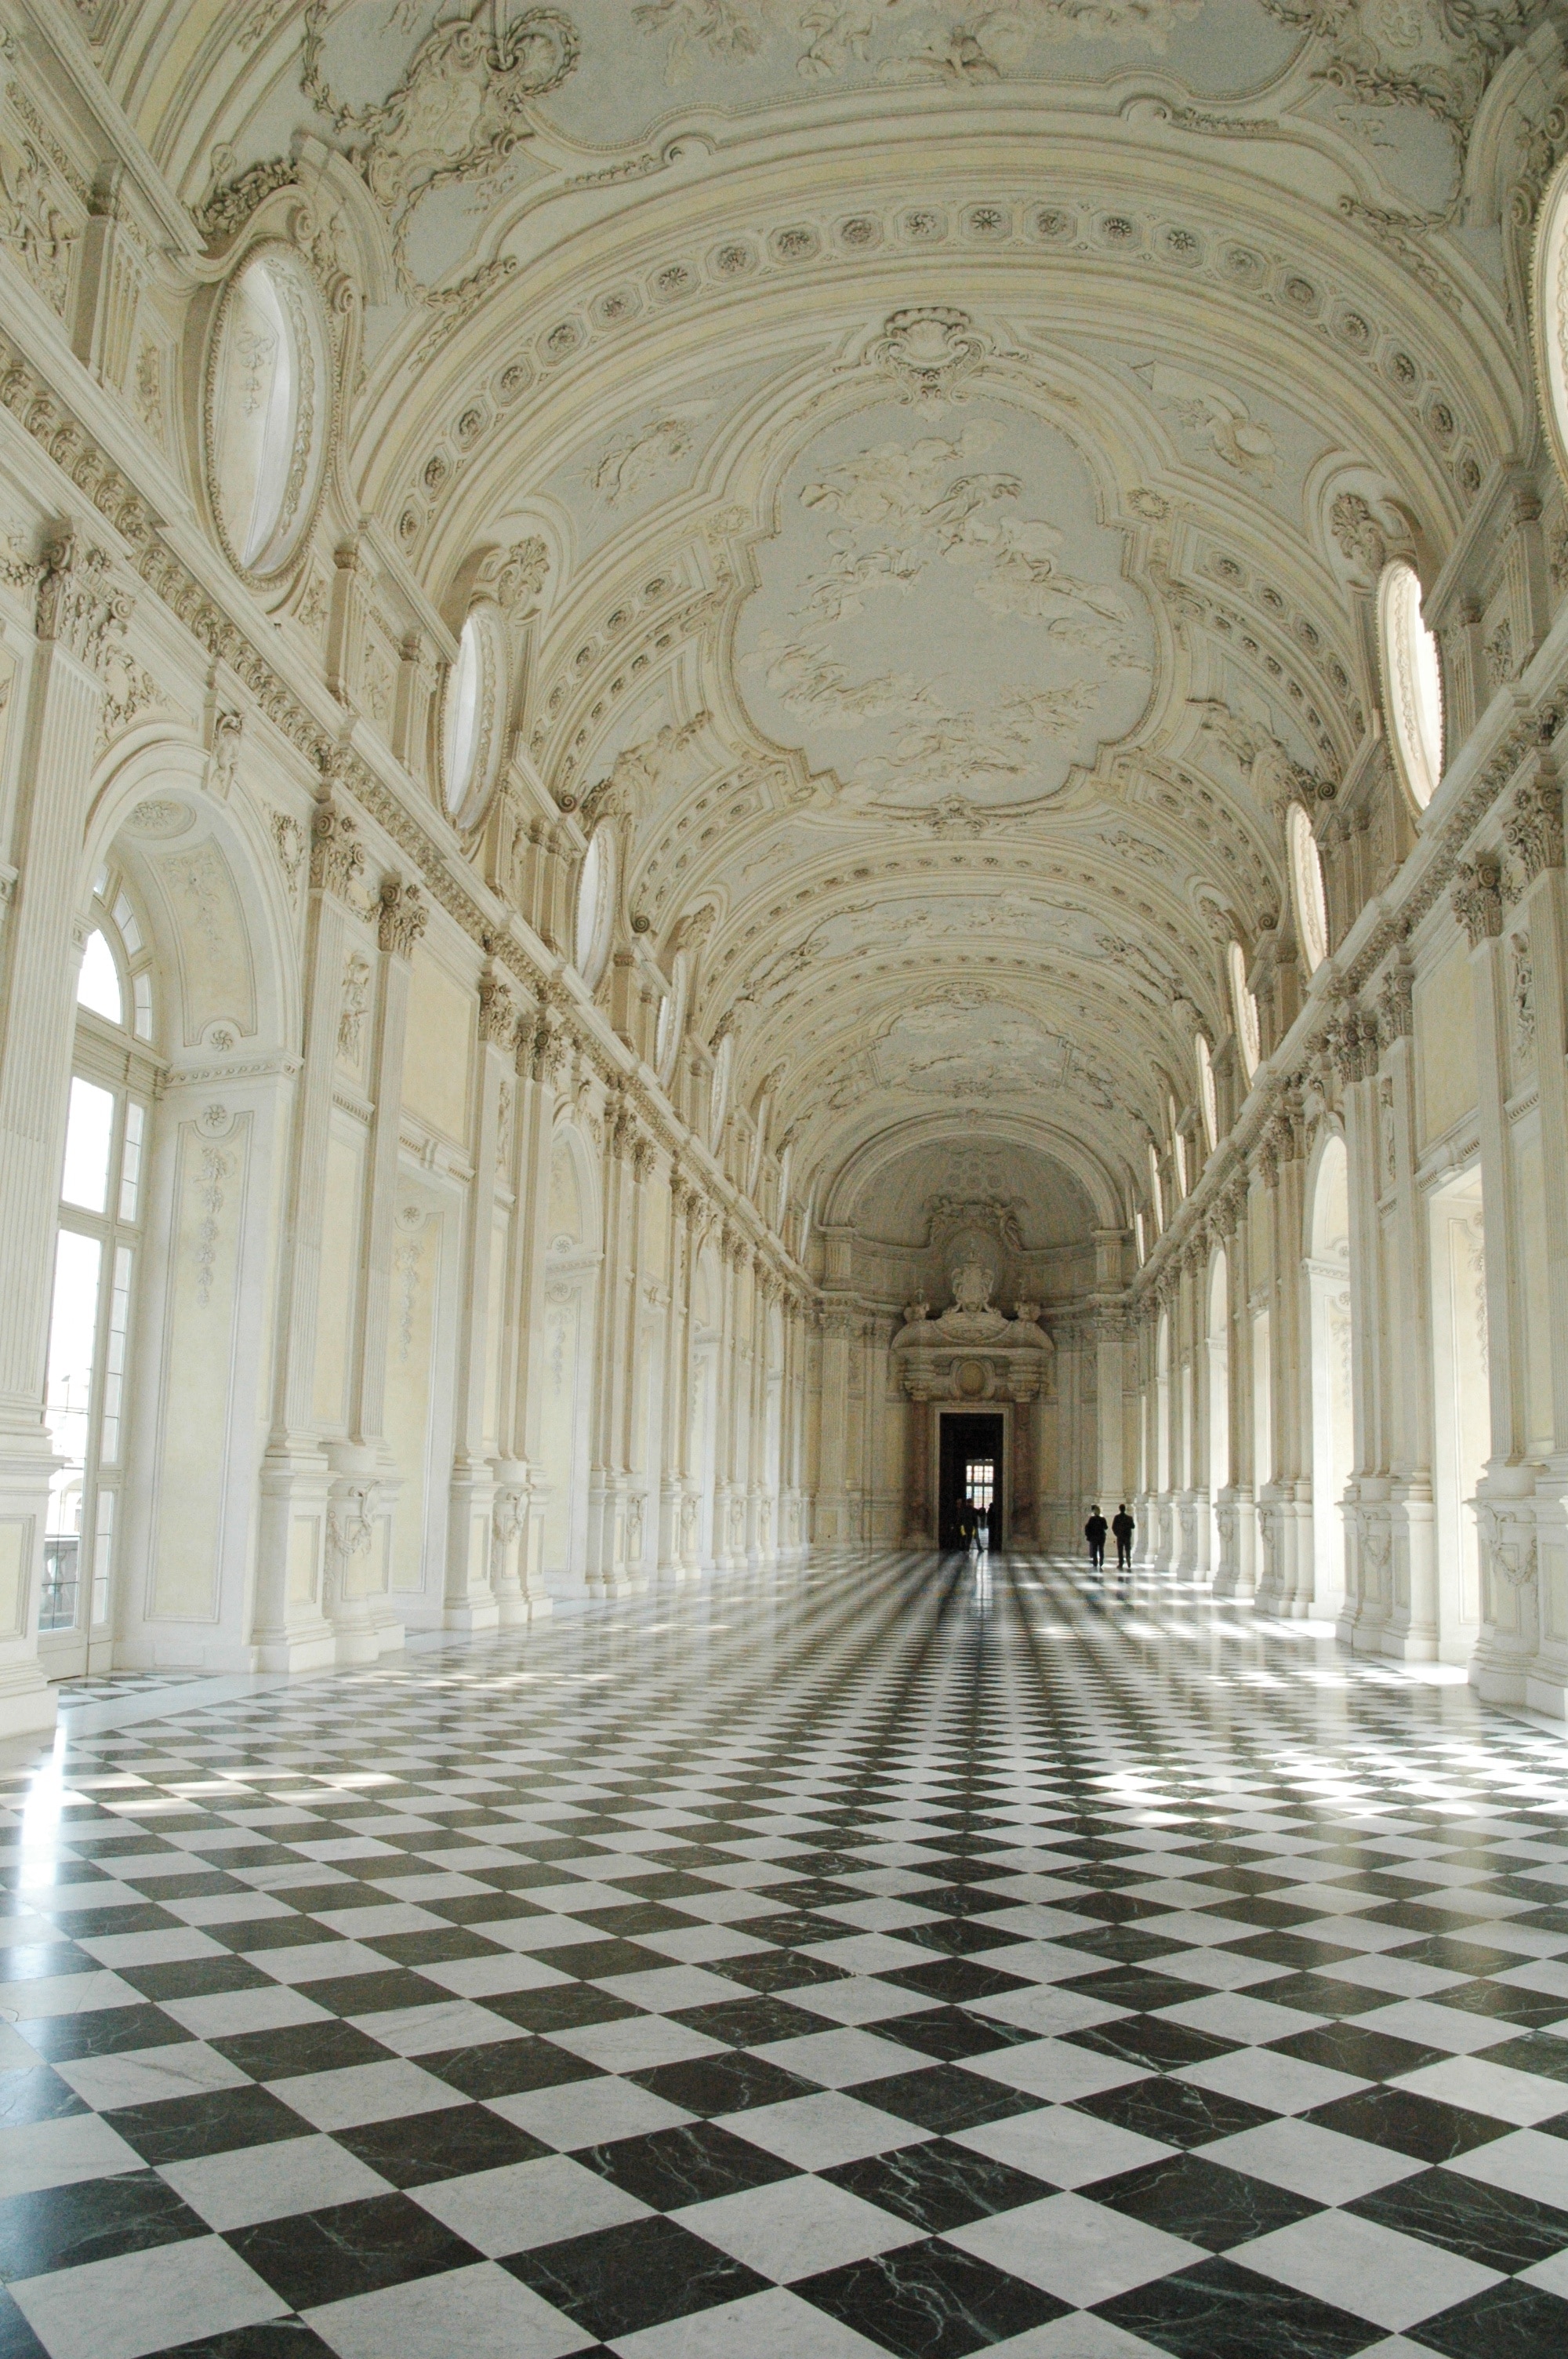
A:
(470, 731)
(1412, 682)
(1306, 880)
(97, 1251)
(1245, 1008)
(1208, 1098)
(1178, 1149)
(1156, 1193)
(596, 907)
(672, 1020)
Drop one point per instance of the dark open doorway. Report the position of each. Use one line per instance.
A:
(970, 1480)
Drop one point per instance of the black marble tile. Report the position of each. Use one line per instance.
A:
(452, 2143)
(436, 1946)
(96, 1924)
(617, 2280)
(750, 2022)
(945, 2097)
(313, 2257)
(955, 1980)
(1498, 2229)
(930, 2301)
(1506, 2321)
(561, 2007)
(191, 1883)
(17, 2340)
(1207, 2202)
(1130, 1943)
(1505, 2003)
(1219, 2311)
(951, 2033)
(726, 2084)
(665, 1884)
(1140, 1989)
(1150, 2040)
(936, 2185)
(625, 1919)
(689, 2163)
(325, 2046)
(1408, 2124)
(176, 2129)
(791, 1929)
(493, 1908)
(194, 1978)
(36, 2095)
(1537, 2051)
(275, 2338)
(263, 1933)
(505, 2068)
(1357, 2049)
(96, 2219)
(1323, 1995)
(1177, 2112)
(781, 1970)
(376, 1994)
(1452, 1954)
(38, 1960)
(103, 2031)
(1299, 1953)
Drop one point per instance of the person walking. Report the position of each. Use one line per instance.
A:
(1122, 1525)
(1094, 1532)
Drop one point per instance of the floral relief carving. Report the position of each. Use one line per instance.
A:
(1521, 998)
(33, 225)
(215, 1168)
(354, 1001)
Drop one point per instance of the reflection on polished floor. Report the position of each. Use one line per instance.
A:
(893, 1955)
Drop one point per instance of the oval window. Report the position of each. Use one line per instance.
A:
(595, 907)
(267, 407)
(1246, 1009)
(1306, 876)
(470, 741)
(1412, 682)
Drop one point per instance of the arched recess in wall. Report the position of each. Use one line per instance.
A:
(178, 1117)
(571, 1272)
(1328, 1345)
(594, 929)
(1306, 890)
(1244, 1007)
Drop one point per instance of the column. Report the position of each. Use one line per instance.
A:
(1235, 1575)
(293, 1631)
(81, 612)
(917, 1532)
(1023, 1391)
(485, 1516)
(1353, 1046)
(1409, 1573)
(363, 1498)
(1286, 1585)
(517, 1557)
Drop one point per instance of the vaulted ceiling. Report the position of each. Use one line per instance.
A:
(942, 421)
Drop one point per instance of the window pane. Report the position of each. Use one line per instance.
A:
(130, 932)
(102, 1550)
(131, 1160)
(89, 1136)
(98, 984)
(72, 1334)
(114, 1355)
(142, 989)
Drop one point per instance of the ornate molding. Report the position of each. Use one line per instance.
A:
(337, 855)
(498, 1018)
(405, 914)
(1477, 898)
(80, 607)
(1533, 828)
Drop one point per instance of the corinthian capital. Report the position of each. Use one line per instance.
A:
(405, 914)
(80, 607)
(1477, 900)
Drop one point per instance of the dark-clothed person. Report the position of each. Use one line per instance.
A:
(1122, 1525)
(1095, 1531)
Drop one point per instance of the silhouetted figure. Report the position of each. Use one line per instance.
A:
(1095, 1531)
(1122, 1525)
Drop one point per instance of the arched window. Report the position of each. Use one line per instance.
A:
(1140, 1238)
(1245, 1008)
(718, 1105)
(1178, 1149)
(1156, 1193)
(471, 732)
(596, 907)
(1207, 1099)
(268, 407)
(1551, 310)
(97, 1252)
(1306, 880)
(1412, 682)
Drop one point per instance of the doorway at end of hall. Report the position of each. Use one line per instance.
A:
(971, 1479)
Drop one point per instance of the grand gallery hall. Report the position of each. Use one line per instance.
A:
(783, 1178)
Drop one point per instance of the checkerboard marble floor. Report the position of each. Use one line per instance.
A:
(879, 1957)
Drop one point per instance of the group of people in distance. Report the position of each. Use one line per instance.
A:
(1121, 1526)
